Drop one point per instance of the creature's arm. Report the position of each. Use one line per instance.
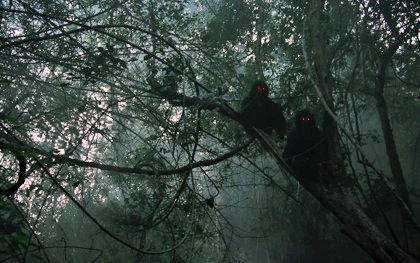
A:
(279, 122)
(289, 150)
(245, 104)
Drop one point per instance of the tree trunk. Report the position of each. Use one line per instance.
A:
(331, 191)
(411, 228)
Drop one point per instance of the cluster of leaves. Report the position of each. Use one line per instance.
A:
(74, 78)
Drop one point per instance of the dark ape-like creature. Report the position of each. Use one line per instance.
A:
(261, 112)
(305, 148)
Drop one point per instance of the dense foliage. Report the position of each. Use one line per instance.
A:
(127, 114)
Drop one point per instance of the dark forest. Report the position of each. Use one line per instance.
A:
(210, 131)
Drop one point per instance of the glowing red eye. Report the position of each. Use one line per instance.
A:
(309, 119)
(258, 88)
(303, 118)
(263, 88)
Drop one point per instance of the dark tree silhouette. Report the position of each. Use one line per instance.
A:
(21, 176)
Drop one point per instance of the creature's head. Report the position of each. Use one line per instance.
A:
(304, 118)
(260, 89)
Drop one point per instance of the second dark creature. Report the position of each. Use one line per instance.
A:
(261, 112)
(305, 149)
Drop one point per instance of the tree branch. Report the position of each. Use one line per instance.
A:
(64, 159)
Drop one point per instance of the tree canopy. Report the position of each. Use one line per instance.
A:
(121, 135)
